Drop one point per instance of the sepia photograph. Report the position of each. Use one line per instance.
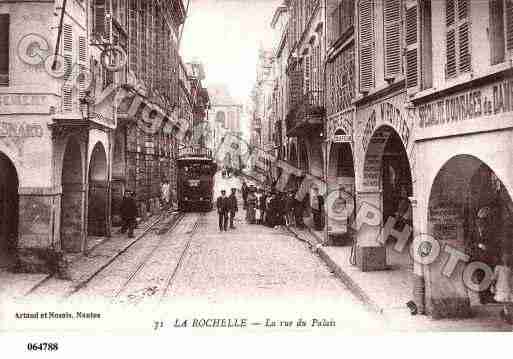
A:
(175, 168)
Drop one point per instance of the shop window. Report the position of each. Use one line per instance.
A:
(4, 49)
(457, 45)
(500, 29)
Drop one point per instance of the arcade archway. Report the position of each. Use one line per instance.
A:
(8, 211)
(98, 192)
(341, 165)
(470, 208)
(387, 184)
(72, 202)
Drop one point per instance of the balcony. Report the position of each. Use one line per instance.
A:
(194, 151)
(306, 118)
(257, 124)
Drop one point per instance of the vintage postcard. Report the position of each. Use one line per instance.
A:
(176, 168)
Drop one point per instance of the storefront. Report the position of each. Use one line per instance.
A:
(383, 161)
(340, 173)
(142, 161)
(465, 170)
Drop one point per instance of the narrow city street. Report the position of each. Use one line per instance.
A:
(255, 268)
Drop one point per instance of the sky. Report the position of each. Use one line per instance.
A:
(225, 36)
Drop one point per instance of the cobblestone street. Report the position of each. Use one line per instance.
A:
(189, 264)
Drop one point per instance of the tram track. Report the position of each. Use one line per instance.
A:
(137, 286)
(161, 232)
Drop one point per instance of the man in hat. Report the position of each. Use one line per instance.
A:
(223, 206)
(486, 246)
(233, 208)
(128, 213)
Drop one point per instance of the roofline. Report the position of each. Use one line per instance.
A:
(279, 10)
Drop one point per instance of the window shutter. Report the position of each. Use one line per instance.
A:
(67, 49)
(458, 45)
(67, 53)
(99, 17)
(412, 48)
(450, 40)
(366, 44)
(108, 21)
(307, 69)
(464, 36)
(82, 61)
(451, 53)
(392, 37)
(4, 49)
(133, 44)
(508, 15)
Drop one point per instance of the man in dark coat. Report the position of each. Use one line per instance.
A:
(244, 190)
(317, 206)
(128, 213)
(223, 207)
(233, 206)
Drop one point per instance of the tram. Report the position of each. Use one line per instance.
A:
(196, 170)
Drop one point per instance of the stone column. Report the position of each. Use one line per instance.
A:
(38, 248)
(370, 253)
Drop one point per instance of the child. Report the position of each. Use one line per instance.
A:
(503, 286)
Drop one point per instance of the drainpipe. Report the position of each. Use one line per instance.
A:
(59, 34)
(325, 127)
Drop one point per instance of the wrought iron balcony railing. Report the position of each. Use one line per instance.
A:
(308, 115)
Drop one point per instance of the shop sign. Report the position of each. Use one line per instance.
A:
(388, 114)
(23, 103)
(341, 121)
(23, 130)
(342, 139)
(486, 101)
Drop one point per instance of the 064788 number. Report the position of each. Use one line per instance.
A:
(50, 347)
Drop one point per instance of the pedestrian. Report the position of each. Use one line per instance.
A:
(223, 206)
(317, 206)
(128, 213)
(233, 206)
(244, 190)
(485, 248)
(252, 203)
(289, 208)
(503, 285)
(273, 210)
(261, 206)
(165, 194)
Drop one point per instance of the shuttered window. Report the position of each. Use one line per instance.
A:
(501, 30)
(4, 49)
(307, 72)
(412, 47)
(508, 18)
(82, 62)
(133, 45)
(102, 19)
(392, 38)
(366, 44)
(458, 46)
(67, 53)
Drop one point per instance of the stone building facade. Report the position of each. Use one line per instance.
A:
(412, 91)
(224, 118)
(68, 147)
